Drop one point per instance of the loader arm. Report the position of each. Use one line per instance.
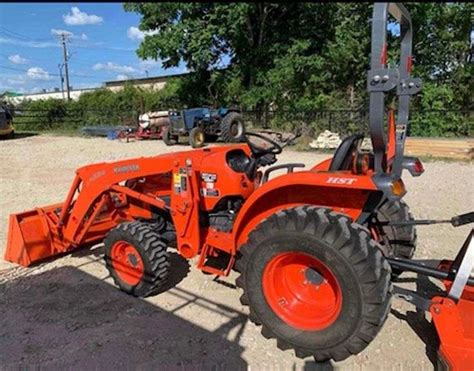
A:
(92, 207)
(97, 181)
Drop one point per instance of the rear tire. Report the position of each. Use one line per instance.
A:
(400, 240)
(197, 138)
(136, 258)
(168, 138)
(349, 267)
(232, 127)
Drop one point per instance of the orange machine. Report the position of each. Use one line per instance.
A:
(315, 249)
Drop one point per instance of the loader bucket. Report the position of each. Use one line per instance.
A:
(30, 238)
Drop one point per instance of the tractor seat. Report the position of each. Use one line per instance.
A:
(342, 159)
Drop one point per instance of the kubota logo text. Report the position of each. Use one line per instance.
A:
(126, 169)
(334, 180)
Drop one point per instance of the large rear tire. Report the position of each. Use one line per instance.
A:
(136, 258)
(232, 127)
(400, 241)
(316, 282)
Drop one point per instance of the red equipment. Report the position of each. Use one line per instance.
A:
(150, 126)
(315, 249)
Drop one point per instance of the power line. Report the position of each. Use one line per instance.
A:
(41, 73)
(19, 36)
(74, 60)
(29, 58)
(104, 47)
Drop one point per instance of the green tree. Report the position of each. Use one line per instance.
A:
(302, 55)
(251, 35)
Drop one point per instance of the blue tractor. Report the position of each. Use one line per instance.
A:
(204, 124)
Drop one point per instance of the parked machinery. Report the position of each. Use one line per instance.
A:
(150, 126)
(6, 122)
(201, 124)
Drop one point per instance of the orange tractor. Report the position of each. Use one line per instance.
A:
(316, 249)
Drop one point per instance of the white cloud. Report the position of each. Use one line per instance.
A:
(110, 66)
(37, 73)
(134, 33)
(17, 59)
(122, 77)
(56, 32)
(78, 18)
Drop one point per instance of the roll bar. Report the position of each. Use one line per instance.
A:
(382, 80)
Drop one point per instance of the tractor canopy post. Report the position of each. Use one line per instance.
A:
(382, 80)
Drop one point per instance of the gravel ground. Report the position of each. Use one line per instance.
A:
(67, 313)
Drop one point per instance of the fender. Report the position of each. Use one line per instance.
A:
(305, 188)
(323, 165)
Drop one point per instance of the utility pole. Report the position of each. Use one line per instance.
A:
(60, 66)
(63, 41)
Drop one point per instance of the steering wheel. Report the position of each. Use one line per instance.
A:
(259, 151)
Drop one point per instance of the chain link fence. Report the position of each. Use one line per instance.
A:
(431, 123)
(70, 119)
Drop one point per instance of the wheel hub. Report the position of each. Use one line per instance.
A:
(236, 130)
(127, 262)
(302, 291)
(313, 276)
(132, 260)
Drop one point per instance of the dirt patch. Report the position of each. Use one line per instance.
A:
(67, 313)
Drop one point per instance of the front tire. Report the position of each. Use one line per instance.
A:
(197, 137)
(168, 138)
(136, 258)
(308, 260)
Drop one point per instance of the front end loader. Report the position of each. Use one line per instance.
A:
(316, 249)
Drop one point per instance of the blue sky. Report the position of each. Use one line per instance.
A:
(102, 43)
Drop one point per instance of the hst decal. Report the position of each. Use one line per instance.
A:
(347, 181)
